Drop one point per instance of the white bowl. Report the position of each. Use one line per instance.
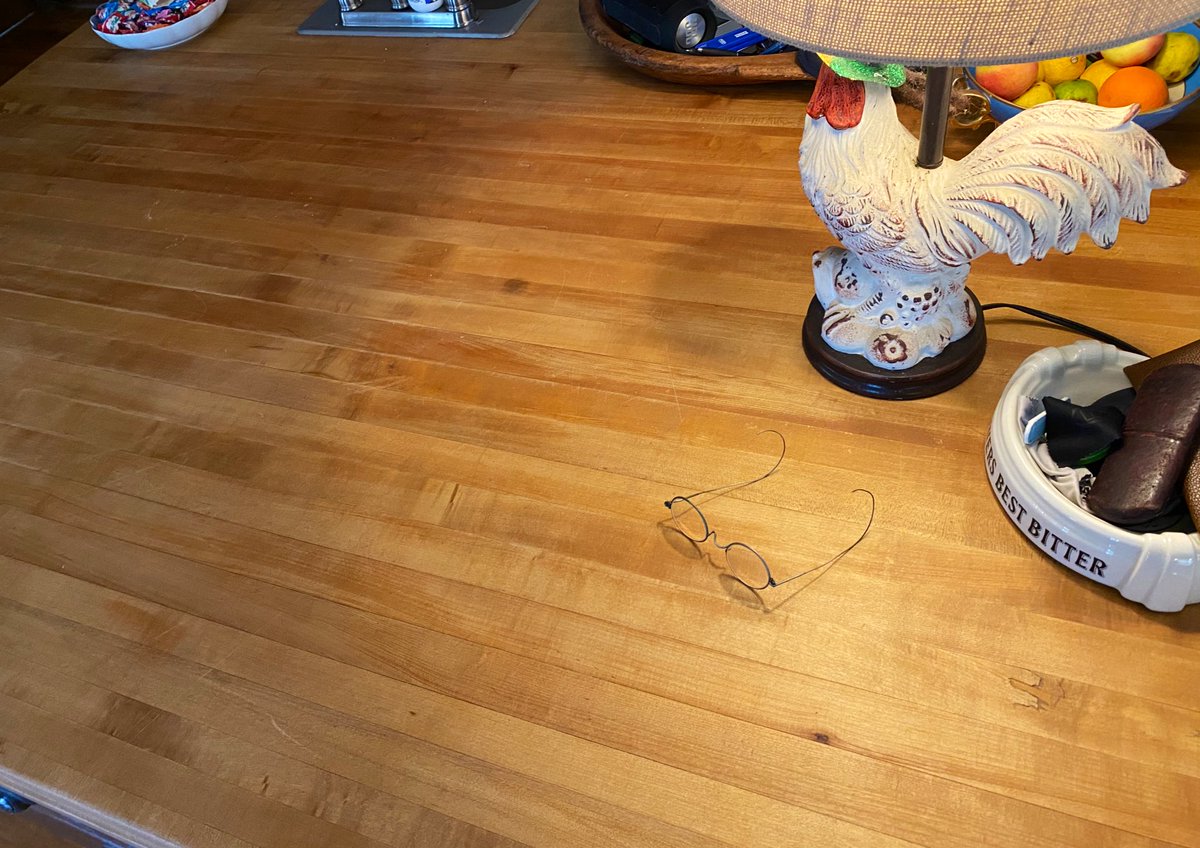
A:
(1159, 570)
(168, 36)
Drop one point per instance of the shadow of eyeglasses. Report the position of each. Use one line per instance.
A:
(738, 590)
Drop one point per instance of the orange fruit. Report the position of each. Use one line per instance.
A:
(1136, 84)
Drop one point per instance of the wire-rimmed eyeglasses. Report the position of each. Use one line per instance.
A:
(745, 564)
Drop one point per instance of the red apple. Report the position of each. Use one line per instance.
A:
(1007, 82)
(1135, 52)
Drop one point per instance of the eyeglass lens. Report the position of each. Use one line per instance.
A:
(747, 566)
(688, 520)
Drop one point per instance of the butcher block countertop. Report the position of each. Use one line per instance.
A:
(342, 384)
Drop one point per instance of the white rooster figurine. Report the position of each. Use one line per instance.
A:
(895, 292)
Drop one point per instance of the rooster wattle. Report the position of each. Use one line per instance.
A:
(895, 291)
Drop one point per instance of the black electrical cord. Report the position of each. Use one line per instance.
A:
(1068, 324)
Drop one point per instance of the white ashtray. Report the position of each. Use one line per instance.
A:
(167, 36)
(1159, 570)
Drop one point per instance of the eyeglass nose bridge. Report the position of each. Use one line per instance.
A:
(739, 572)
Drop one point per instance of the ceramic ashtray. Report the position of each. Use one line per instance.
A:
(1158, 570)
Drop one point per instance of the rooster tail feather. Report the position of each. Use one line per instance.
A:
(997, 227)
(1163, 174)
(1043, 179)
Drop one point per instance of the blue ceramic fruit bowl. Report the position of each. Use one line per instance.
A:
(1002, 110)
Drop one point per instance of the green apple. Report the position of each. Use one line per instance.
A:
(1079, 90)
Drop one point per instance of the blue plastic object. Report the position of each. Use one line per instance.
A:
(734, 42)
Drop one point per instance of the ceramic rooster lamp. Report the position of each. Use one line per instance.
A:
(892, 316)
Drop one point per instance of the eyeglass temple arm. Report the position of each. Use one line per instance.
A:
(835, 557)
(732, 486)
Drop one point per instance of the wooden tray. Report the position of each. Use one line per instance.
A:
(685, 68)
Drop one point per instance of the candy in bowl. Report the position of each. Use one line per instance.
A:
(139, 25)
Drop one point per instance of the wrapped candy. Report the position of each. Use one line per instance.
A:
(122, 17)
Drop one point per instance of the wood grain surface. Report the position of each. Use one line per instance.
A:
(342, 382)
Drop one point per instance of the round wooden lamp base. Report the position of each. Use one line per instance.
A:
(929, 377)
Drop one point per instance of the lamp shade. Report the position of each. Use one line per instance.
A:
(958, 32)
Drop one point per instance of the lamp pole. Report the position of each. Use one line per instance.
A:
(934, 116)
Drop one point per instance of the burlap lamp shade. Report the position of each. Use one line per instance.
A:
(958, 32)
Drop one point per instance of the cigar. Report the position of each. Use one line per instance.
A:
(1141, 479)
(1138, 372)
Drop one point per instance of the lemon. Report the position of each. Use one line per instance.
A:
(1063, 70)
(1098, 72)
(1041, 92)
(1178, 57)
